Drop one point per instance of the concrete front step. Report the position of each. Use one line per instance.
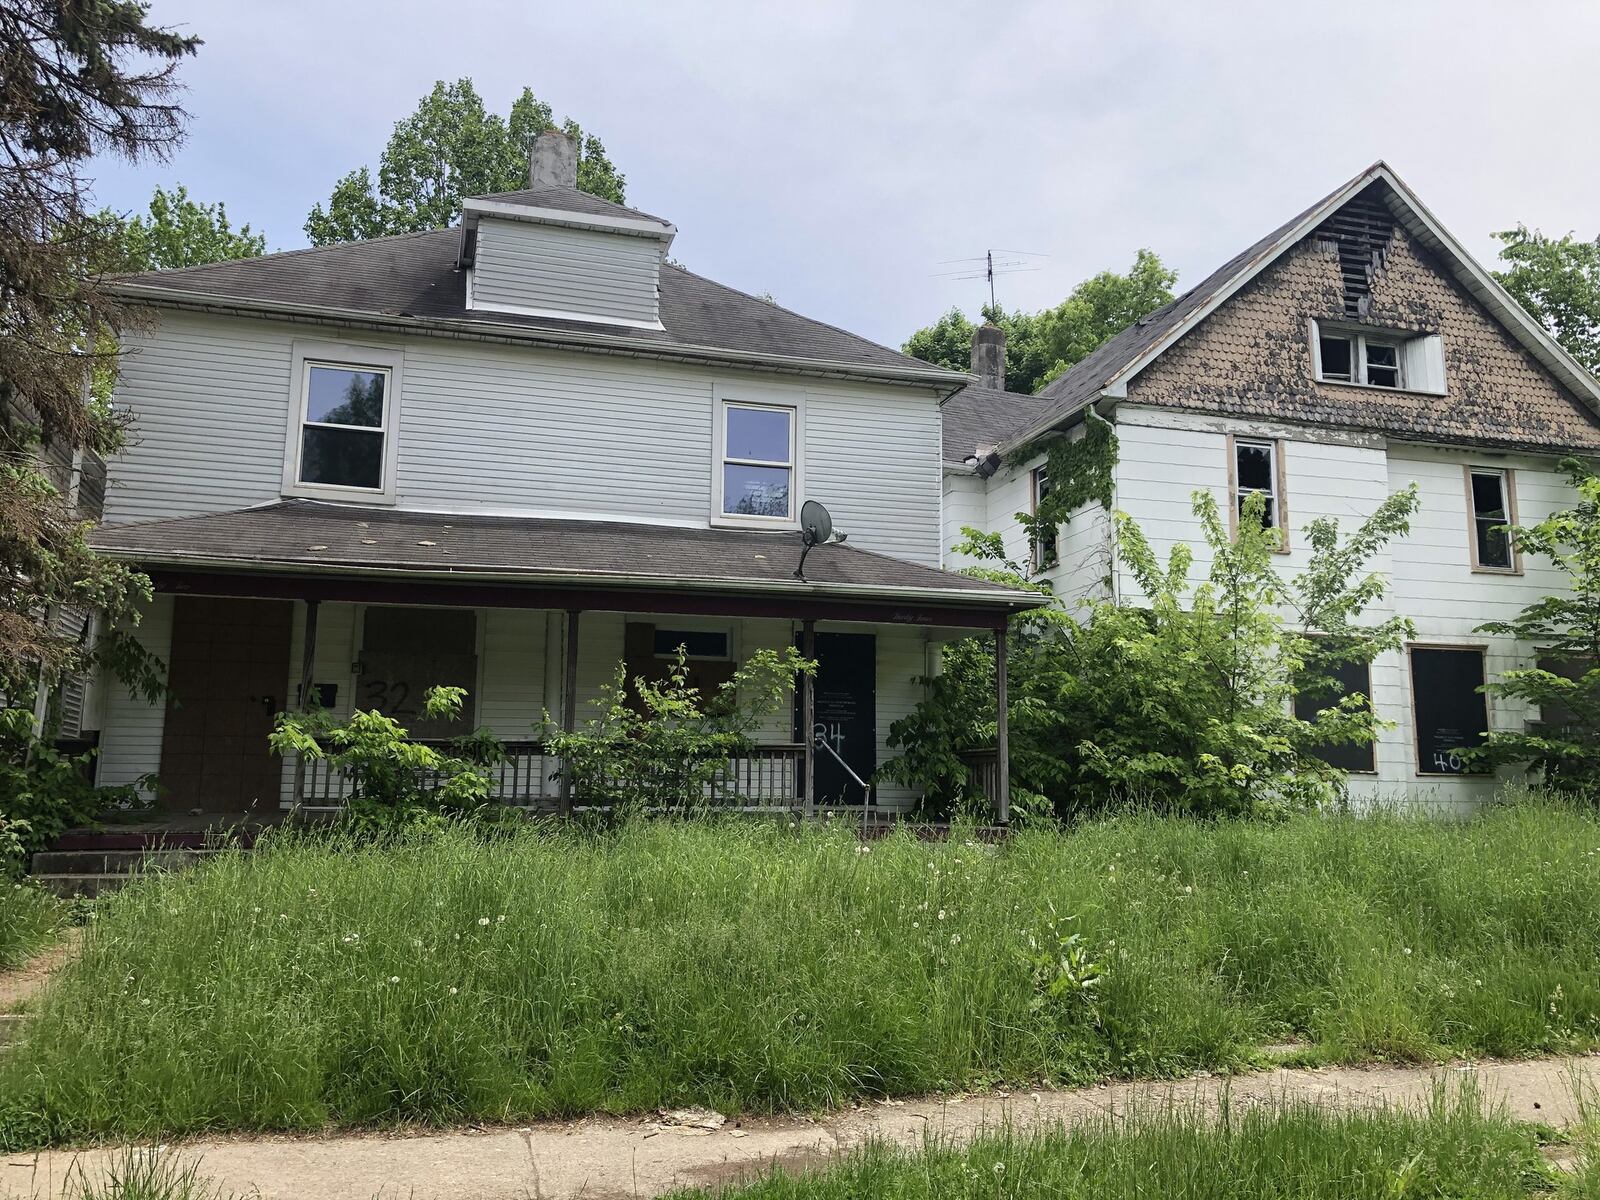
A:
(113, 861)
(70, 887)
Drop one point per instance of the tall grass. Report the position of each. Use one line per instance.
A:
(1454, 1149)
(28, 920)
(760, 967)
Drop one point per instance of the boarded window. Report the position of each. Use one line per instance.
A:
(1333, 683)
(1489, 491)
(1451, 713)
(406, 651)
(695, 643)
(650, 653)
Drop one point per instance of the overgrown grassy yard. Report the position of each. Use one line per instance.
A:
(28, 920)
(747, 966)
(1456, 1149)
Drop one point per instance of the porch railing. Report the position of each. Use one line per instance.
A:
(983, 772)
(767, 776)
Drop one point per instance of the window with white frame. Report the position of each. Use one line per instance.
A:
(1046, 549)
(1399, 360)
(758, 461)
(1489, 492)
(1255, 473)
(345, 423)
(1358, 358)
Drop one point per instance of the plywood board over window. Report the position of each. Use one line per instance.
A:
(406, 651)
(1313, 696)
(1449, 712)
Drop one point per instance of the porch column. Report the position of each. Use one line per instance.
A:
(308, 664)
(808, 715)
(1002, 741)
(569, 704)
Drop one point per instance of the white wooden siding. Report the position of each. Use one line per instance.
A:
(510, 430)
(130, 744)
(523, 266)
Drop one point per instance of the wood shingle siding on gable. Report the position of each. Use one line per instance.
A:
(1253, 358)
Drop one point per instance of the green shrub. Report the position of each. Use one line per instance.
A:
(44, 792)
(1182, 700)
(660, 745)
(757, 966)
(1458, 1147)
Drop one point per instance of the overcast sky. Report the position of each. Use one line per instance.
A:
(838, 154)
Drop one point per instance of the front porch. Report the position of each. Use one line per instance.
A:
(256, 629)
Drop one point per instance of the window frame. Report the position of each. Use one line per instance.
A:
(1482, 650)
(347, 356)
(1372, 746)
(1358, 339)
(1279, 494)
(1041, 557)
(766, 398)
(1508, 493)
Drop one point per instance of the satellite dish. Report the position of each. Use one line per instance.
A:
(816, 524)
(816, 527)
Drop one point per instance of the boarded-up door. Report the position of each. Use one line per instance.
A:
(230, 664)
(846, 709)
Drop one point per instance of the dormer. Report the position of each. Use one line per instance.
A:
(553, 251)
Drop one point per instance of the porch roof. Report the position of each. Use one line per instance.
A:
(321, 539)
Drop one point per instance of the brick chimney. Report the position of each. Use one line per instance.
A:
(989, 356)
(553, 160)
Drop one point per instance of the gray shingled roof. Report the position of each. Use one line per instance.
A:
(414, 275)
(570, 200)
(979, 417)
(302, 533)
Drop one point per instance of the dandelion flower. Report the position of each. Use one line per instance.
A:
(452, 991)
(483, 920)
(145, 1001)
(999, 1168)
(500, 918)
(955, 939)
(1405, 949)
(941, 914)
(394, 979)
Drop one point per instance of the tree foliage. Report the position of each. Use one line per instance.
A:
(1563, 745)
(1558, 281)
(76, 80)
(179, 231)
(1041, 346)
(1181, 699)
(450, 148)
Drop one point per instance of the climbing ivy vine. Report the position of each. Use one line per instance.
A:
(1079, 470)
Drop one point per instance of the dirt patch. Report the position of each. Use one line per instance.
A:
(21, 984)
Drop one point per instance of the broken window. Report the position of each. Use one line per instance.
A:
(1382, 364)
(1046, 550)
(1255, 472)
(1489, 491)
(1354, 357)
(1338, 357)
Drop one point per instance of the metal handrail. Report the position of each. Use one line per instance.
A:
(866, 788)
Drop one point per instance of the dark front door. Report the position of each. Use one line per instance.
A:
(846, 714)
(228, 672)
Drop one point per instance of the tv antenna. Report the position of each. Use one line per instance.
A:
(987, 266)
(816, 527)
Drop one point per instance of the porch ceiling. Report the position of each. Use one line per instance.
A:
(547, 562)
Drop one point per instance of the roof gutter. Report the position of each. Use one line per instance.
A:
(514, 334)
(956, 597)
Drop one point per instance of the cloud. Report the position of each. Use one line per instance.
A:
(834, 154)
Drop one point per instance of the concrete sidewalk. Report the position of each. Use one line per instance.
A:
(613, 1159)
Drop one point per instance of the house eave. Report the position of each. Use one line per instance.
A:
(515, 334)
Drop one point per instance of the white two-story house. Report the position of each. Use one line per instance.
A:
(1351, 352)
(511, 456)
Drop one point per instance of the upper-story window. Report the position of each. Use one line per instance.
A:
(1257, 471)
(1491, 497)
(758, 470)
(342, 440)
(1046, 551)
(1407, 361)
